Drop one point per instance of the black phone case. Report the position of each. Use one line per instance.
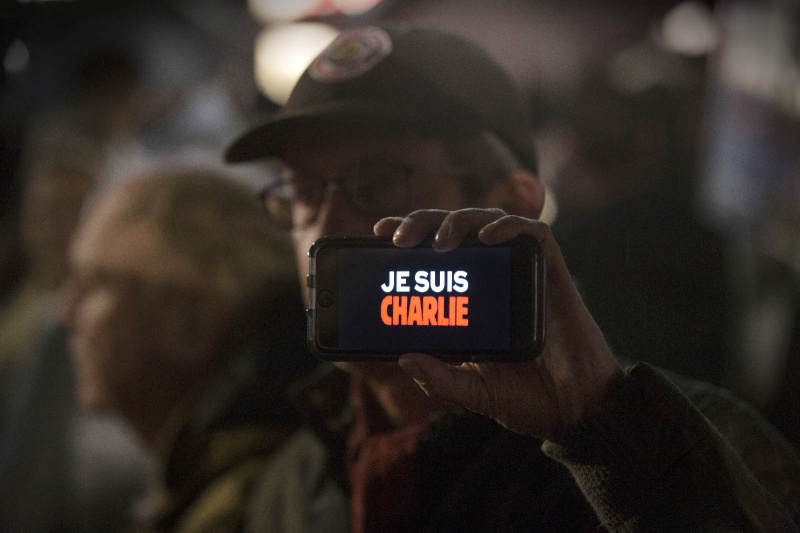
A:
(319, 297)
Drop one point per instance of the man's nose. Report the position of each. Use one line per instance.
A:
(338, 215)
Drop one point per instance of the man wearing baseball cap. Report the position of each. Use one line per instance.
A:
(415, 133)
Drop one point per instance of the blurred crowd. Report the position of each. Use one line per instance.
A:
(674, 189)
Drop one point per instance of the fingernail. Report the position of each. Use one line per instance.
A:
(488, 228)
(443, 233)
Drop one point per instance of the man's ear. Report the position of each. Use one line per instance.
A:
(520, 194)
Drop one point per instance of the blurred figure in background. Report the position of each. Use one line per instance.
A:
(184, 317)
(60, 470)
(650, 271)
(115, 101)
(106, 88)
(771, 320)
(750, 191)
(64, 156)
(60, 175)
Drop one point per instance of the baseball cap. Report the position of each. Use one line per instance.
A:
(401, 80)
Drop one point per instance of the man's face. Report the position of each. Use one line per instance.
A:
(327, 154)
(120, 319)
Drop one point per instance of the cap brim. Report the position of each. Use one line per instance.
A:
(267, 139)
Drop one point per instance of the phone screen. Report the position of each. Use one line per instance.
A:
(390, 299)
(371, 299)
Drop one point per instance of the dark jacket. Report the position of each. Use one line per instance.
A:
(218, 452)
(664, 453)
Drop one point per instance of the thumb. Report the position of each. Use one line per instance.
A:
(443, 381)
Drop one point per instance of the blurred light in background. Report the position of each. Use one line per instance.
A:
(268, 11)
(760, 57)
(354, 7)
(284, 51)
(16, 58)
(281, 10)
(689, 29)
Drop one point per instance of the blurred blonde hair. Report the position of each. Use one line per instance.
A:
(219, 225)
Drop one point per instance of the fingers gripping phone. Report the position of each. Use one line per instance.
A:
(372, 301)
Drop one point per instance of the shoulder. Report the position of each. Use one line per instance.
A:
(216, 490)
(766, 453)
(296, 492)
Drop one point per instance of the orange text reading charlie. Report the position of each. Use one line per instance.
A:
(424, 309)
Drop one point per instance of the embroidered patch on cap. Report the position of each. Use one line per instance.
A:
(351, 54)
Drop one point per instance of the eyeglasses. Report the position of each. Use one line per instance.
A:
(376, 188)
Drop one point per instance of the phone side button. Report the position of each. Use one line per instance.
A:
(310, 281)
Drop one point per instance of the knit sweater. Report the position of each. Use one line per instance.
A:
(664, 453)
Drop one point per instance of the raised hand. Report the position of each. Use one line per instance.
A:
(575, 370)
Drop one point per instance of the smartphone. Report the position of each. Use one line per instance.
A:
(372, 301)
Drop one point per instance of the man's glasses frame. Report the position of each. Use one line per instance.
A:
(375, 188)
